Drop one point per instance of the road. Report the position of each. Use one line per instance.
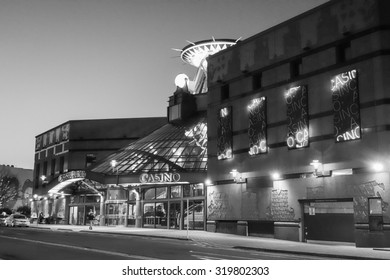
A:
(40, 244)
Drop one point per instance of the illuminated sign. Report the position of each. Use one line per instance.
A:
(159, 177)
(346, 108)
(297, 118)
(257, 131)
(78, 174)
(224, 133)
(198, 133)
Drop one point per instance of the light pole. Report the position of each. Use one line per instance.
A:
(114, 164)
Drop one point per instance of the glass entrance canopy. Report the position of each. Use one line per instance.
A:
(173, 147)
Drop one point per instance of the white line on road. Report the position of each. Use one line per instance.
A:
(220, 255)
(81, 248)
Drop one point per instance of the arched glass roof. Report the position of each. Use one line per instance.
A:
(173, 147)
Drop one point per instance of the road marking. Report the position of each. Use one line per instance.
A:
(81, 248)
(220, 255)
(201, 257)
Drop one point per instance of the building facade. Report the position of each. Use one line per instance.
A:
(298, 128)
(16, 186)
(64, 153)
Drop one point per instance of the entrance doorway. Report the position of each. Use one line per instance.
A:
(195, 214)
(329, 220)
(175, 217)
(116, 214)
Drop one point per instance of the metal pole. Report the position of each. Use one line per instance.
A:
(188, 214)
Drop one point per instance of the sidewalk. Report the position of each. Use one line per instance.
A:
(221, 240)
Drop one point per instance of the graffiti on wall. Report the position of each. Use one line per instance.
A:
(219, 206)
(279, 210)
(361, 193)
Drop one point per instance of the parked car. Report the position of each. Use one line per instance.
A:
(2, 219)
(17, 220)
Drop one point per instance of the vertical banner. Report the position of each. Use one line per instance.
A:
(257, 130)
(225, 135)
(346, 108)
(297, 117)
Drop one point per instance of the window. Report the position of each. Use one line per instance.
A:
(375, 214)
(90, 159)
(342, 52)
(256, 81)
(193, 190)
(174, 112)
(161, 193)
(295, 68)
(225, 92)
(176, 192)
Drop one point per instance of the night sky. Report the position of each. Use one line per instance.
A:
(96, 59)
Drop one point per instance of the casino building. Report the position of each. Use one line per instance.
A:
(298, 128)
(159, 181)
(285, 135)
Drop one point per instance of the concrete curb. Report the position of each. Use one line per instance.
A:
(135, 234)
(305, 253)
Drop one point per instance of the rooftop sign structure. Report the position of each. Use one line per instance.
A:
(195, 54)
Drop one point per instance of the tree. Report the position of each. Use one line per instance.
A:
(25, 210)
(6, 210)
(9, 187)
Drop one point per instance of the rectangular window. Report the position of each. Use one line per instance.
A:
(161, 193)
(346, 106)
(174, 112)
(256, 81)
(297, 117)
(295, 68)
(193, 190)
(90, 159)
(225, 94)
(343, 52)
(225, 134)
(257, 130)
(375, 214)
(176, 192)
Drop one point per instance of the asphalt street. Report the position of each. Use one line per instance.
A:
(37, 244)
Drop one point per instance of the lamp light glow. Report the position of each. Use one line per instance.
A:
(275, 176)
(377, 167)
(181, 80)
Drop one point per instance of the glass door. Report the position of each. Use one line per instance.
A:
(175, 218)
(194, 215)
(73, 215)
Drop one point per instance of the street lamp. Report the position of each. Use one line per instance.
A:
(114, 164)
(237, 177)
(316, 164)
